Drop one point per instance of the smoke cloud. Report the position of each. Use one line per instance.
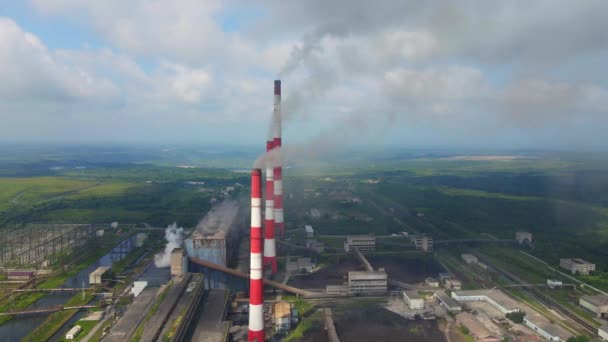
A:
(174, 237)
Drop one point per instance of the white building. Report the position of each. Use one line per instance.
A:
(310, 233)
(469, 258)
(367, 281)
(602, 332)
(577, 265)
(523, 237)
(422, 242)
(545, 328)
(140, 238)
(413, 300)
(453, 284)
(70, 335)
(494, 297)
(554, 283)
(598, 304)
(365, 243)
(432, 282)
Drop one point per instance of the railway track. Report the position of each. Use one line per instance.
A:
(548, 302)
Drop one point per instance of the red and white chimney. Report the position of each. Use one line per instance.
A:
(256, 284)
(278, 170)
(270, 255)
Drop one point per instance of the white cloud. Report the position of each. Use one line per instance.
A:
(30, 72)
(450, 83)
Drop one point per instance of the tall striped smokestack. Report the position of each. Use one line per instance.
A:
(256, 285)
(270, 255)
(278, 170)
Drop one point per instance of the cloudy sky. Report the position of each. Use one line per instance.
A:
(467, 73)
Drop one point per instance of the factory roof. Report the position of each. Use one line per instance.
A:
(366, 274)
(20, 273)
(412, 294)
(496, 295)
(543, 323)
(578, 261)
(282, 310)
(100, 270)
(596, 300)
(476, 328)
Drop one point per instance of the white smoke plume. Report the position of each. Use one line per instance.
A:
(174, 237)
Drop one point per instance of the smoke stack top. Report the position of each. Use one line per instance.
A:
(277, 87)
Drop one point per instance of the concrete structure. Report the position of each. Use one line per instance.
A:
(602, 332)
(178, 261)
(138, 287)
(476, 328)
(310, 233)
(20, 275)
(256, 284)
(300, 265)
(422, 242)
(453, 284)
(553, 283)
(598, 304)
(277, 143)
(432, 282)
(270, 249)
(446, 301)
(336, 289)
(282, 317)
(316, 246)
(576, 265)
(72, 333)
(99, 232)
(413, 300)
(443, 276)
(469, 258)
(367, 282)
(494, 297)
(96, 277)
(523, 238)
(140, 238)
(365, 243)
(545, 328)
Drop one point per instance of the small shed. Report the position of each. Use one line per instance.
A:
(20, 275)
(70, 335)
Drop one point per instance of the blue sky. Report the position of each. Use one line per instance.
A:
(499, 74)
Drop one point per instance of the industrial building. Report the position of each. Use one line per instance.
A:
(432, 282)
(282, 317)
(598, 304)
(577, 265)
(178, 262)
(602, 332)
(212, 241)
(523, 238)
(101, 273)
(413, 300)
(453, 284)
(542, 326)
(300, 265)
(140, 238)
(20, 275)
(476, 328)
(422, 242)
(494, 297)
(553, 283)
(365, 243)
(469, 258)
(367, 281)
(446, 301)
(72, 333)
(310, 233)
